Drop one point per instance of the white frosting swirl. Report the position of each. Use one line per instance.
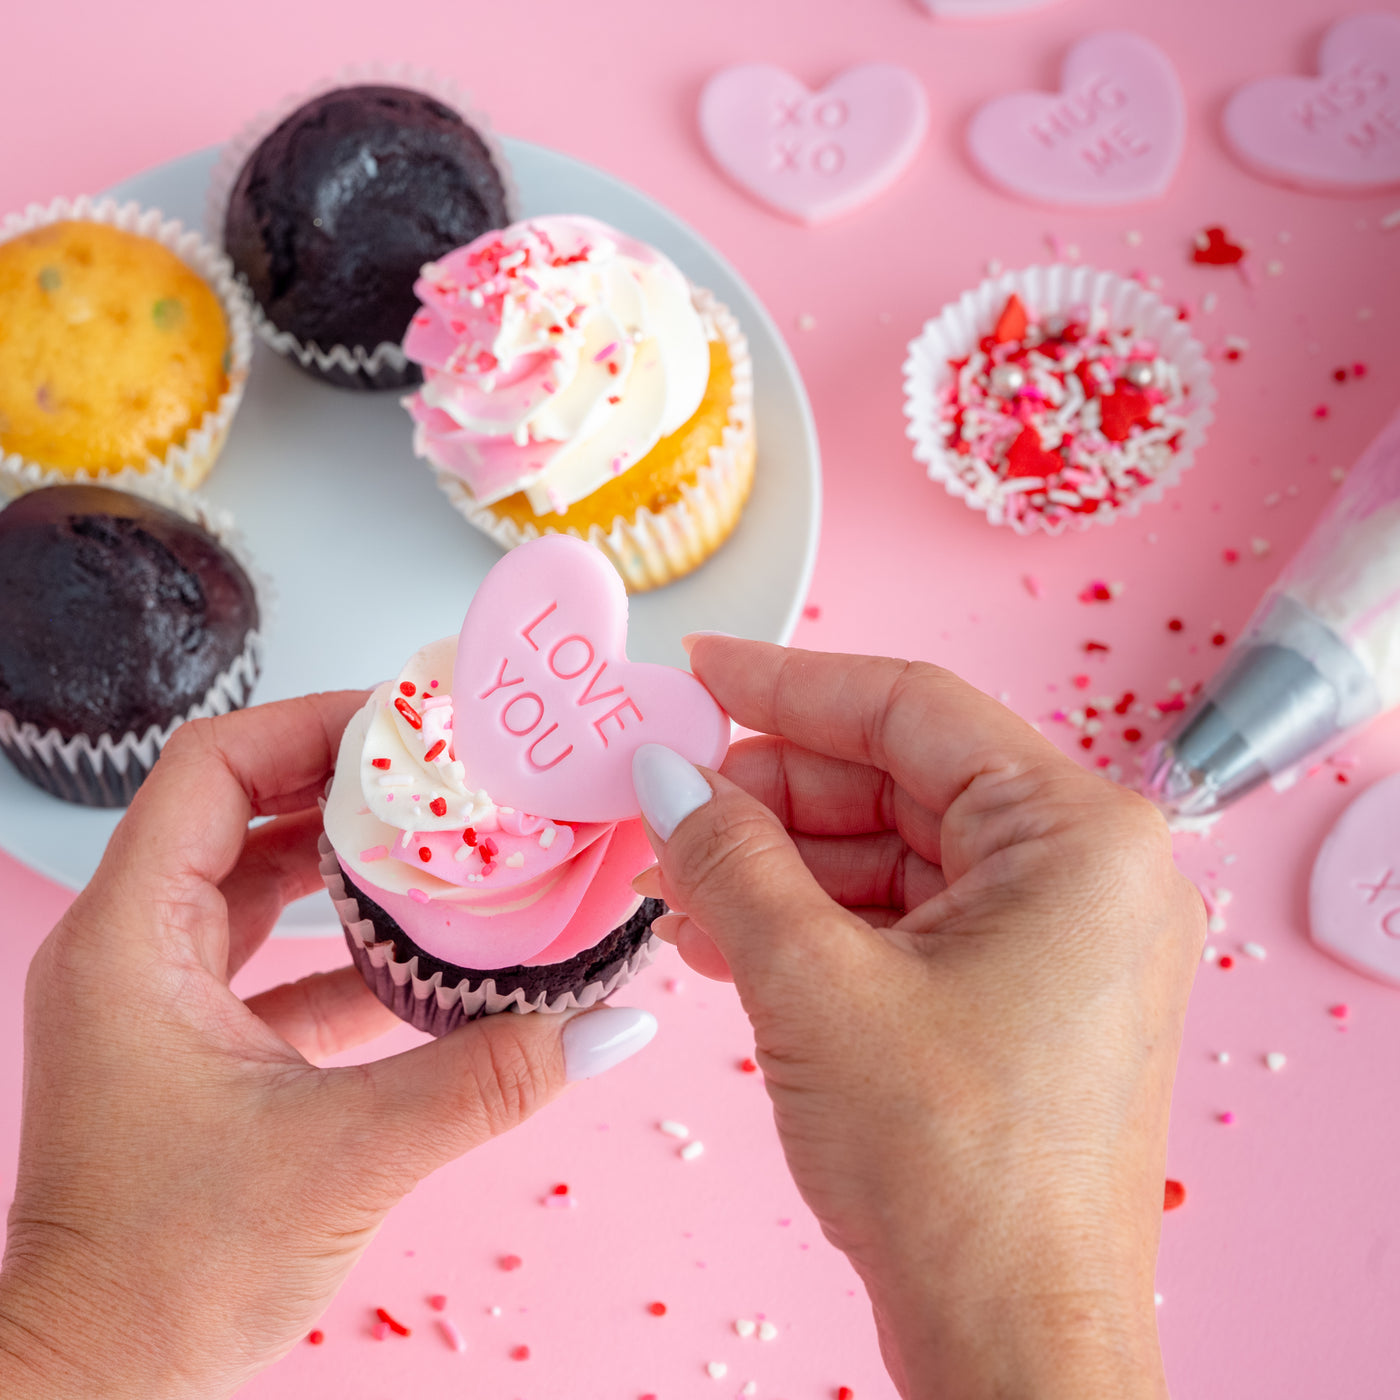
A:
(556, 354)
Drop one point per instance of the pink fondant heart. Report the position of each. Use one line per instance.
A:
(982, 9)
(1113, 134)
(1339, 131)
(1354, 902)
(813, 155)
(547, 709)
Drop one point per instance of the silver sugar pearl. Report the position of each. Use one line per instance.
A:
(1007, 380)
(1139, 372)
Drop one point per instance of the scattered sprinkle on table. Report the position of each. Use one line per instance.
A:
(1275, 1060)
(716, 1370)
(692, 1150)
(451, 1334)
(507, 1262)
(392, 1323)
(316, 1337)
(1174, 1195)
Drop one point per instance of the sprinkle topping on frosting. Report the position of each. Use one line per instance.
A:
(556, 353)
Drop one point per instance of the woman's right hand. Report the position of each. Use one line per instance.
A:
(967, 962)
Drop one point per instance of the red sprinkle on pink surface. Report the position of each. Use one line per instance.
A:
(845, 1393)
(562, 1189)
(435, 750)
(1218, 639)
(1227, 962)
(316, 1337)
(1231, 556)
(1340, 375)
(438, 1302)
(1227, 1118)
(812, 612)
(425, 854)
(1214, 248)
(1175, 624)
(1096, 592)
(657, 1309)
(1358, 370)
(392, 1323)
(1322, 411)
(1080, 682)
(415, 720)
(380, 763)
(1174, 1195)
(469, 836)
(488, 848)
(408, 688)
(1340, 1011)
(748, 1066)
(508, 1262)
(1132, 736)
(1095, 646)
(520, 1353)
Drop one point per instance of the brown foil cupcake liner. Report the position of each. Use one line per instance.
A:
(424, 1002)
(382, 366)
(106, 771)
(657, 547)
(186, 463)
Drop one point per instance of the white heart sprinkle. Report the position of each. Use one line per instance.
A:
(716, 1370)
(1275, 1060)
(745, 1327)
(766, 1331)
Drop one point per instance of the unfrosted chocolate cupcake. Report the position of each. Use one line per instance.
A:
(337, 209)
(119, 618)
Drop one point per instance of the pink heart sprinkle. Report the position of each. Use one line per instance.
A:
(813, 155)
(1113, 134)
(1338, 131)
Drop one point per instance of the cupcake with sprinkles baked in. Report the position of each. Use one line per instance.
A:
(124, 345)
(1055, 398)
(574, 382)
(481, 830)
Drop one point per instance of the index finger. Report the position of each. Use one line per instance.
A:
(190, 817)
(930, 731)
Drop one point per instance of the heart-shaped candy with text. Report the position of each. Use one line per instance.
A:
(1113, 134)
(1339, 131)
(813, 155)
(982, 9)
(547, 709)
(1354, 900)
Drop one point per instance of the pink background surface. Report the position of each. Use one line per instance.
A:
(1281, 1275)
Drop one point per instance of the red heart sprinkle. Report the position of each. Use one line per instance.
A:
(1012, 323)
(1217, 250)
(1174, 1195)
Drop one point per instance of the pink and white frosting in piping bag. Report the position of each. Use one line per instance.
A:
(556, 353)
(472, 883)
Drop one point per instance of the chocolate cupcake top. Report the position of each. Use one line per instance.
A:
(335, 212)
(115, 613)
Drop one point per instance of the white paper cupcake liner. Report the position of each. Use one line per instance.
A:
(187, 462)
(425, 1002)
(657, 547)
(382, 366)
(955, 332)
(107, 770)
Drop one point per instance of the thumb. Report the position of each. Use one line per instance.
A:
(442, 1099)
(729, 864)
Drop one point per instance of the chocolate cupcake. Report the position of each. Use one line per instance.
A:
(335, 210)
(120, 618)
(481, 829)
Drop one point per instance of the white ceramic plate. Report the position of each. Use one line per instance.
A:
(370, 561)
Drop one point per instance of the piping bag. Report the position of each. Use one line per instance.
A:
(1320, 656)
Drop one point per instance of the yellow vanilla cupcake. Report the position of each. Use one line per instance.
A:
(114, 352)
(575, 383)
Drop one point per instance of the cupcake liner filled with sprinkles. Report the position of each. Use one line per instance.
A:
(1054, 398)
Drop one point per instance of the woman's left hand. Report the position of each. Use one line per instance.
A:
(182, 1158)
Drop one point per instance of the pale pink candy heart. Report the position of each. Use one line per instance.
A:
(813, 155)
(982, 9)
(547, 709)
(1339, 131)
(1113, 134)
(1354, 902)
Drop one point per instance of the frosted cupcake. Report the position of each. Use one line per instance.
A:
(481, 832)
(576, 383)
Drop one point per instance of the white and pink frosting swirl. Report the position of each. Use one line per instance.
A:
(472, 883)
(556, 353)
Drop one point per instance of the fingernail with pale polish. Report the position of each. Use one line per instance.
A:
(668, 786)
(691, 638)
(598, 1040)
